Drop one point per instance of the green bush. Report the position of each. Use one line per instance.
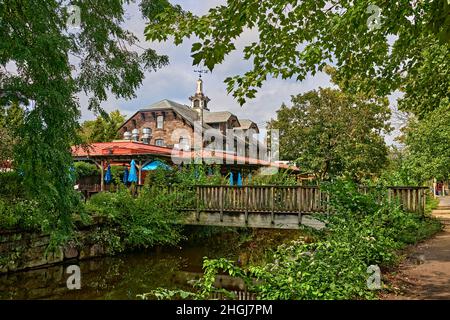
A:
(11, 185)
(142, 221)
(85, 169)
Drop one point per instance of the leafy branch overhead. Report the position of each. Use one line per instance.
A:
(298, 38)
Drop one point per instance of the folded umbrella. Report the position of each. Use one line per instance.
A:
(108, 175)
(132, 175)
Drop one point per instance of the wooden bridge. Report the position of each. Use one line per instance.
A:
(281, 207)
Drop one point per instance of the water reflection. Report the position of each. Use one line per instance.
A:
(120, 277)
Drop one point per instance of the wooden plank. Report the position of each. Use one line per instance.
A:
(272, 197)
(221, 203)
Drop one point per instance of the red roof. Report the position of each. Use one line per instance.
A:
(118, 148)
(138, 148)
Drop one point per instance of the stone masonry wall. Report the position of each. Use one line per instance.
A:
(21, 250)
(172, 121)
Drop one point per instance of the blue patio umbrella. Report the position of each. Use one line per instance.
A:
(125, 176)
(132, 175)
(239, 180)
(231, 179)
(108, 175)
(156, 165)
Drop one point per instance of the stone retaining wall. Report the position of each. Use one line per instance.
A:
(20, 250)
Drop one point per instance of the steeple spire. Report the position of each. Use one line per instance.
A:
(199, 99)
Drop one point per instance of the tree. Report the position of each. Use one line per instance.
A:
(11, 119)
(331, 133)
(103, 129)
(44, 63)
(428, 145)
(377, 46)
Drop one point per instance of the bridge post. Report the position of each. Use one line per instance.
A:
(197, 210)
(299, 205)
(246, 204)
(221, 203)
(272, 196)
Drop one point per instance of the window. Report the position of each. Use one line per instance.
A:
(159, 142)
(134, 123)
(159, 122)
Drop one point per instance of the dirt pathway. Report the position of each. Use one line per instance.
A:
(425, 274)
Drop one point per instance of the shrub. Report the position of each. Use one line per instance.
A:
(11, 185)
(85, 169)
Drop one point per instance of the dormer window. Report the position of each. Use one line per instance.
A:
(159, 122)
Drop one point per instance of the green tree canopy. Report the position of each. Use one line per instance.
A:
(103, 129)
(428, 145)
(377, 46)
(331, 133)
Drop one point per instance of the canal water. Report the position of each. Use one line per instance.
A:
(125, 276)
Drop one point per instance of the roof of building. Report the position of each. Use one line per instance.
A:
(118, 148)
(186, 112)
(246, 123)
(215, 117)
(132, 149)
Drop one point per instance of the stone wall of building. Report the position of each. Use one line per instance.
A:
(172, 122)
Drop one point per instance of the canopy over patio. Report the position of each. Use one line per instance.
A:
(123, 152)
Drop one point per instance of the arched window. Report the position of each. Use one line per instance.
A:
(196, 104)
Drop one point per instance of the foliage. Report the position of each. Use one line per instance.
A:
(11, 185)
(103, 129)
(10, 119)
(85, 169)
(363, 231)
(330, 133)
(281, 178)
(378, 46)
(139, 222)
(397, 172)
(428, 145)
(45, 63)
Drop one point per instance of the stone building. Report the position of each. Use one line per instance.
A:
(171, 124)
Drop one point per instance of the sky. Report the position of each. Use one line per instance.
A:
(177, 81)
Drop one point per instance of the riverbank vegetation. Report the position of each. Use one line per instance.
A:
(363, 231)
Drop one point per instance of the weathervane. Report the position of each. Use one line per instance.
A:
(200, 72)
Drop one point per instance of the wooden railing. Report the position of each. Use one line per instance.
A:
(286, 199)
(281, 199)
(412, 199)
(289, 199)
